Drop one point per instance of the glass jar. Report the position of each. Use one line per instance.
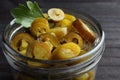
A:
(79, 68)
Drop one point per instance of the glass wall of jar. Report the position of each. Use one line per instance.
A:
(78, 68)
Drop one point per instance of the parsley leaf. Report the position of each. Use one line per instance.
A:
(25, 15)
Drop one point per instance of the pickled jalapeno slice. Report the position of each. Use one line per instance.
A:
(51, 38)
(74, 37)
(21, 41)
(39, 50)
(38, 28)
(66, 51)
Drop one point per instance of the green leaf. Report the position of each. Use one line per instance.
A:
(26, 15)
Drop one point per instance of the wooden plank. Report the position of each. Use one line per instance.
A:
(108, 73)
(107, 13)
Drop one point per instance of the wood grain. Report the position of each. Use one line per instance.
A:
(108, 14)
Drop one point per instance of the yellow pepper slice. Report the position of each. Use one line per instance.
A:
(64, 23)
(60, 32)
(21, 41)
(45, 15)
(56, 14)
(23, 47)
(74, 37)
(49, 37)
(42, 20)
(38, 50)
(91, 75)
(38, 28)
(50, 45)
(83, 77)
(66, 51)
(70, 17)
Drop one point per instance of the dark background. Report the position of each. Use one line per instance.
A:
(107, 12)
(7, 5)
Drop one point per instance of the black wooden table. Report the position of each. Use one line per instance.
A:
(107, 13)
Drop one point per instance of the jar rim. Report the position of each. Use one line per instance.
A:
(95, 48)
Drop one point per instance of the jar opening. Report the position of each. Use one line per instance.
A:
(98, 42)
